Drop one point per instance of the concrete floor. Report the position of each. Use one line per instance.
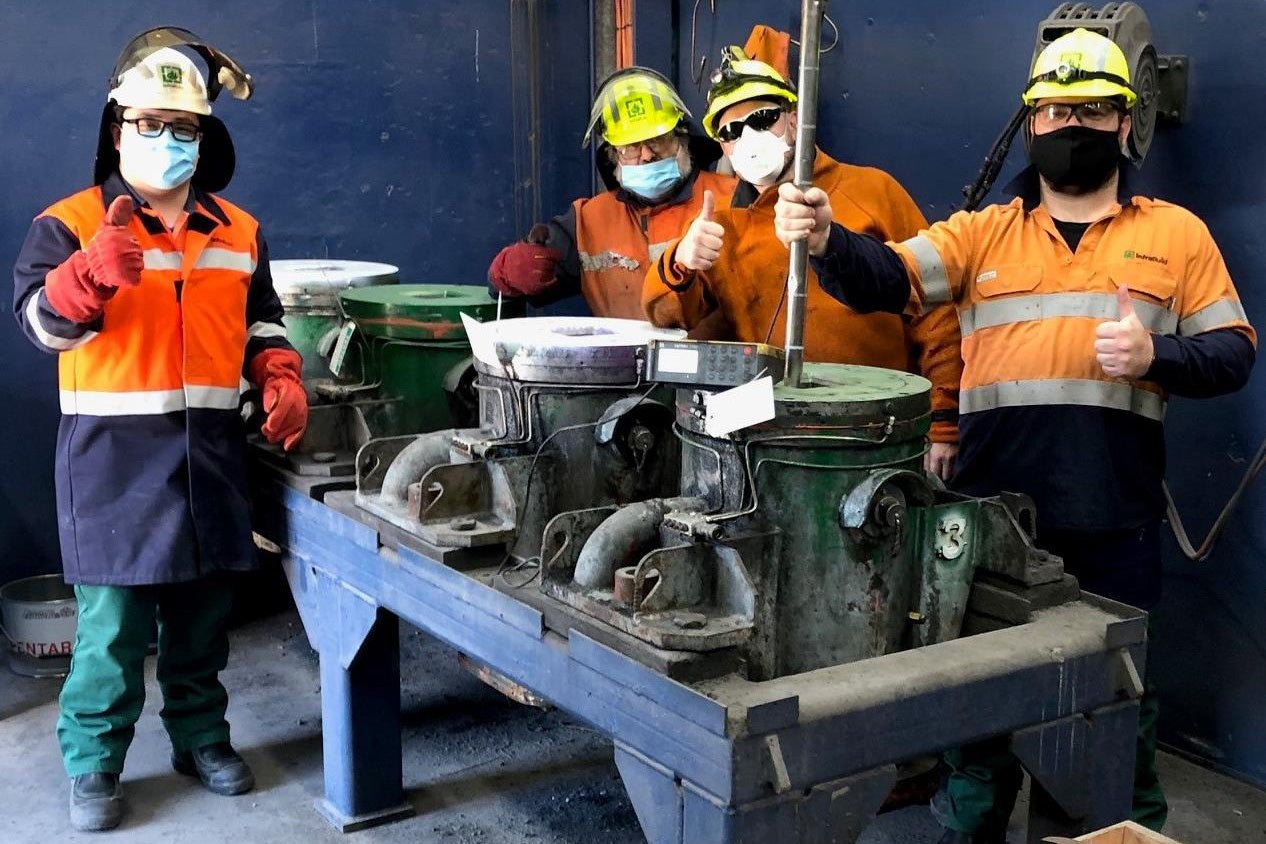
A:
(478, 767)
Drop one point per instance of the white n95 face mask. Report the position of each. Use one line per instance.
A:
(759, 157)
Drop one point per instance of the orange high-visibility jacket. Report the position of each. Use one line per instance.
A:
(746, 286)
(617, 240)
(1039, 415)
(151, 457)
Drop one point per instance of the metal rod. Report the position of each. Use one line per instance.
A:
(811, 13)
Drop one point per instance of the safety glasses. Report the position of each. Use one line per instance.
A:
(152, 127)
(1095, 113)
(761, 120)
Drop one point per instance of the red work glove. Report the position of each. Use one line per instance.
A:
(79, 288)
(526, 268)
(276, 372)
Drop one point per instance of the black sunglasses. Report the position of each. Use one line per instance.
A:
(761, 120)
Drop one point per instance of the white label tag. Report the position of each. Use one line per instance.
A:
(338, 359)
(482, 345)
(678, 360)
(741, 407)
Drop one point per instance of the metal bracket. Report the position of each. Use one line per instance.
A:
(1171, 101)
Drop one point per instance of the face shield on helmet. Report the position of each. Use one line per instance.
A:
(151, 74)
(634, 105)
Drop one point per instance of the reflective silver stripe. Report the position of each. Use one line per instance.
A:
(218, 398)
(148, 402)
(213, 258)
(606, 260)
(936, 289)
(157, 259)
(266, 329)
(138, 403)
(51, 341)
(989, 314)
(1076, 391)
(658, 249)
(1220, 314)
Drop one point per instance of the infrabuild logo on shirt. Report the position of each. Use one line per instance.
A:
(1131, 255)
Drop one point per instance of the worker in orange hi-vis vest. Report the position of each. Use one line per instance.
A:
(156, 297)
(1084, 306)
(601, 247)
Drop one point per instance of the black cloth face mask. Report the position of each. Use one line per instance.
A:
(1076, 159)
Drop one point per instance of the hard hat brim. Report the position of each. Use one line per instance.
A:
(1101, 88)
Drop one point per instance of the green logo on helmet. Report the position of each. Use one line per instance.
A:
(170, 74)
(635, 108)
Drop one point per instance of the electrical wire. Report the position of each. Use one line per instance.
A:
(822, 51)
(1201, 554)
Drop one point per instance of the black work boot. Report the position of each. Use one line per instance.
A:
(96, 802)
(218, 766)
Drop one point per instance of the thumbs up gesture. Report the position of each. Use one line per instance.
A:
(114, 255)
(1124, 347)
(803, 214)
(701, 246)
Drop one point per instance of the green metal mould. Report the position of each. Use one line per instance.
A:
(422, 311)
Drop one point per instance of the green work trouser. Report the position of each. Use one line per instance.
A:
(985, 779)
(103, 696)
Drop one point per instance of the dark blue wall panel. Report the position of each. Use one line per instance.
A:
(394, 131)
(921, 88)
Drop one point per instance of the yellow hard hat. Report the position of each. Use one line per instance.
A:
(1080, 63)
(739, 79)
(633, 105)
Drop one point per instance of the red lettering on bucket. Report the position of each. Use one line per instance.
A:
(39, 649)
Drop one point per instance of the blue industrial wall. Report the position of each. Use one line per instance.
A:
(401, 131)
(393, 131)
(921, 88)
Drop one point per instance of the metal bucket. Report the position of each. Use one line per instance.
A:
(308, 289)
(38, 616)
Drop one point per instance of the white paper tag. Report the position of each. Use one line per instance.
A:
(338, 358)
(482, 345)
(740, 407)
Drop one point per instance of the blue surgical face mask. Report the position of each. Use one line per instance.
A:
(161, 162)
(651, 181)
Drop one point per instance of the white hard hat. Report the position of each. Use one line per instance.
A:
(164, 79)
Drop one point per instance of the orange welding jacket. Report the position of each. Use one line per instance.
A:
(747, 282)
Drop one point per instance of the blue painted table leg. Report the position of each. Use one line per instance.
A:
(360, 709)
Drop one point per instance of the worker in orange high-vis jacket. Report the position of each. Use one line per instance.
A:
(155, 295)
(654, 167)
(730, 263)
(1084, 307)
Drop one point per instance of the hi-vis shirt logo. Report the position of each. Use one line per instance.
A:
(1131, 255)
(170, 74)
